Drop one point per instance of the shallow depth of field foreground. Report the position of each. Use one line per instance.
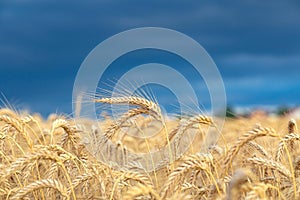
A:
(58, 158)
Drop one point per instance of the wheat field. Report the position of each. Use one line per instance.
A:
(58, 158)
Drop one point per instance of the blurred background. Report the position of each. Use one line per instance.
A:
(255, 45)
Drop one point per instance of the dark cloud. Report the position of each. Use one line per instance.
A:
(44, 42)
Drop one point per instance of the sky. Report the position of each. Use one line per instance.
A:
(255, 45)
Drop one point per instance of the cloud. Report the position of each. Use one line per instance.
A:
(248, 65)
(252, 43)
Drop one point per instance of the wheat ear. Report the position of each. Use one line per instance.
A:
(251, 135)
(136, 176)
(80, 179)
(238, 179)
(69, 132)
(112, 129)
(41, 153)
(45, 183)
(141, 190)
(135, 101)
(8, 112)
(198, 119)
(196, 162)
(292, 126)
(14, 122)
(287, 141)
(259, 148)
(297, 167)
(262, 162)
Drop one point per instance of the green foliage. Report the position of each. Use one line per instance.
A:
(230, 112)
(282, 110)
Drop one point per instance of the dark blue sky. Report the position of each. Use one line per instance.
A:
(256, 45)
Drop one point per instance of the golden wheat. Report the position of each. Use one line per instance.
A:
(46, 160)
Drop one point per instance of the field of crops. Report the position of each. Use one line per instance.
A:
(63, 158)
